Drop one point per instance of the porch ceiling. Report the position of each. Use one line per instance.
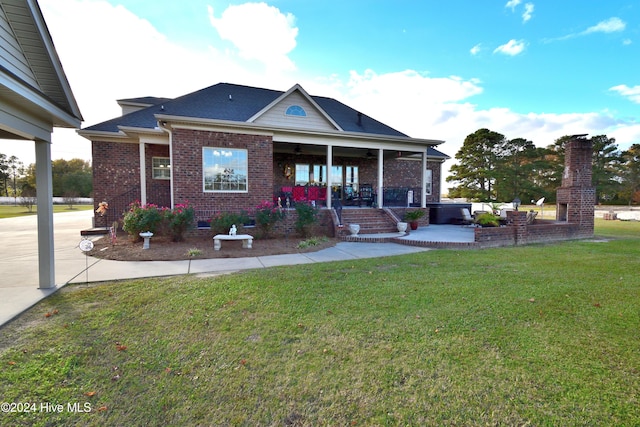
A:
(321, 150)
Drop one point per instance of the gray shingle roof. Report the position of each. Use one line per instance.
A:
(225, 101)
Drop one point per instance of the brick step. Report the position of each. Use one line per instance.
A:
(371, 221)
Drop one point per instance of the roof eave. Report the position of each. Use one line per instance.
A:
(55, 61)
(275, 129)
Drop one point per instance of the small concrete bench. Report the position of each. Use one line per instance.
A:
(247, 240)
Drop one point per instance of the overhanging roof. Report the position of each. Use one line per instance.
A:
(47, 94)
(230, 103)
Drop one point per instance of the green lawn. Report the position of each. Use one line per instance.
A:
(536, 335)
(10, 211)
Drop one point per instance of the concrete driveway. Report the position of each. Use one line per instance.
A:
(19, 260)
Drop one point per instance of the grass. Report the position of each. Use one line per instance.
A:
(10, 211)
(535, 335)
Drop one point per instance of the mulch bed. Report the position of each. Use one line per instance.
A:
(163, 249)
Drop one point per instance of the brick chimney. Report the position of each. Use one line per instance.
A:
(576, 197)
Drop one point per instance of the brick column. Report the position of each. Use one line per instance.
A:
(576, 198)
(518, 220)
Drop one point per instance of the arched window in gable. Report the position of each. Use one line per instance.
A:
(295, 110)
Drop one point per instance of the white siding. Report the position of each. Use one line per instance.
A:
(276, 115)
(11, 55)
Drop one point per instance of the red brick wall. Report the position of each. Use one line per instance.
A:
(188, 174)
(116, 177)
(577, 197)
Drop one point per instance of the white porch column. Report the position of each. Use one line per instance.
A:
(143, 175)
(329, 167)
(380, 177)
(423, 201)
(44, 197)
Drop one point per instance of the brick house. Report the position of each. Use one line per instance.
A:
(229, 147)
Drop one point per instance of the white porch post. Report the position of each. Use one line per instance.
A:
(380, 177)
(143, 175)
(44, 197)
(329, 167)
(423, 202)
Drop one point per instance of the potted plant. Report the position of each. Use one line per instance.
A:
(488, 220)
(412, 218)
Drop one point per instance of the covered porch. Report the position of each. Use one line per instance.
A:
(363, 175)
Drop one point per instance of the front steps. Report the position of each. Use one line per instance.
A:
(371, 220)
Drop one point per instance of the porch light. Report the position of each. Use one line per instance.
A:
(516, 203)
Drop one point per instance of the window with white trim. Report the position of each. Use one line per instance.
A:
(429, 180)
(161, 167)
(302, 174)
(295, 110)
(225, 170)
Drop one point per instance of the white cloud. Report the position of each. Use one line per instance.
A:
(258, 31)
(137, 60)
(511, 4)
(528, 12)
(511, 48)
(632, 93)
(611, 25)
(476, 49)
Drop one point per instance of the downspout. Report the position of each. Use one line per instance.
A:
(164, 127)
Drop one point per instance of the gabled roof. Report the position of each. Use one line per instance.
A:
(230, 102)
(41, 74)
(306, 96)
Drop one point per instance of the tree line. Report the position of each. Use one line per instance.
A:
(491, 167)
(70, 178)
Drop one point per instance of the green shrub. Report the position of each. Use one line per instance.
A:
(312, 241)
(141, 218)
(267, 215)
(413, 215)
(307, 218)
(222, 222)
(178, 220)
(488, 220)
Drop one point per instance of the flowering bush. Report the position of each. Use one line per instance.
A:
(267, 215)
(178, 220)
(141, 218)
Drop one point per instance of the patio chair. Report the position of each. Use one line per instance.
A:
(313, 194)
(467, 219)
(299, 193)
(531, 217)
(322, 195)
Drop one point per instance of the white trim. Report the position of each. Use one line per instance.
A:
(380, 198)
(329, 167)
(154, 168)
(280, 133)
(423, 199)
(143, 176)
(33, 97)
(204, 190)
(44, 197)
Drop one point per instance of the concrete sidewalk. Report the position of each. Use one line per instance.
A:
(19, 260)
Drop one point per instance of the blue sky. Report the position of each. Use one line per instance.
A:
(536, 69)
